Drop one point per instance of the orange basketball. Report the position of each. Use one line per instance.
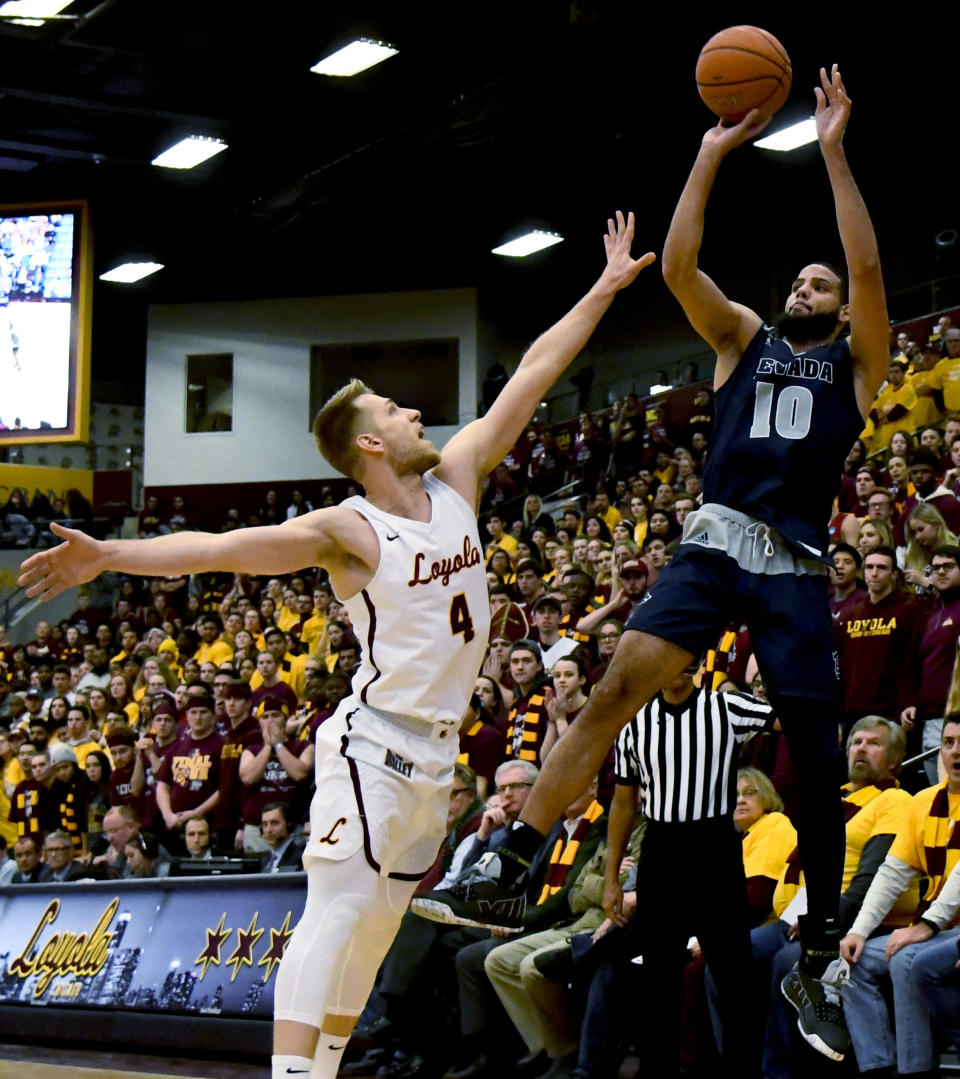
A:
(743, 68)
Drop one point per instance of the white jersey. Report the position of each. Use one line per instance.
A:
(423, 619)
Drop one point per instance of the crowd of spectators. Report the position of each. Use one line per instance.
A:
(178, 726)
(25, 522)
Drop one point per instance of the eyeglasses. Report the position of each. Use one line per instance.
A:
(504, 787)
(943, 567)
(748, 792)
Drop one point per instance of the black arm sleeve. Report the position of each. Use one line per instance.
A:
(871, 858)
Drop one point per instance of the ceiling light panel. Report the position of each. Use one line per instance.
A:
(189, 152)
(789, 138)
(129, 272)
(33, 9)
(354, 58)
(528, 243)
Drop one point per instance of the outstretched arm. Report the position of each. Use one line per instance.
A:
(726, 326)
(481, 445)
(869, 328)
(311, 540)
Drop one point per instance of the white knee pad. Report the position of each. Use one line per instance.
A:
(349, 921)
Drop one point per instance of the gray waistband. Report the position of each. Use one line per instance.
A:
(754, 545)
(419, 728)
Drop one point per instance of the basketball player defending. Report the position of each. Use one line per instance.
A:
(407, 562)
(788, 407)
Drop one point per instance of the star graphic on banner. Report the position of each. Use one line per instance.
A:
(243, 953)
(278, 943)
(216, 938)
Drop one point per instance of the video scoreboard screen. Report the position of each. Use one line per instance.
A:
(45, 302)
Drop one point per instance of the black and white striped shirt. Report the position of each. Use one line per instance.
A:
(684, 757)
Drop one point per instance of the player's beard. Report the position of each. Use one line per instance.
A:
(803, 328)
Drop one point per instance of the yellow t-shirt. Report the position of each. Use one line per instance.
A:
(313, 630)
(766, 847)
(905, 396)
(611, 518)
(925, 412)
(285, 618)
(13, 773)
(882, 812)
(8, 830)
(946, 377)
(217, 653)
(909, 844)
(506, 543)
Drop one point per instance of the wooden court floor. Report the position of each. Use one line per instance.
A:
(36, 1062)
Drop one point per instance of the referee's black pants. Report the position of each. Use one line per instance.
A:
(690, 882)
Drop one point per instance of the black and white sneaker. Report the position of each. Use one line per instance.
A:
(475, 899)
(819, 1013)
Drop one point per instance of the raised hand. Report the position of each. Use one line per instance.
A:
(833, 108)
(75, 561)
(726, 137)
(622, 268)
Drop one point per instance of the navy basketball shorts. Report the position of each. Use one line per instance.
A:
(788, 615)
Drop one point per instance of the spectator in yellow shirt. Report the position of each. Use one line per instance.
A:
(213, 648)
(926, 412)
(892, 407)
(946, 375)
(501, 540)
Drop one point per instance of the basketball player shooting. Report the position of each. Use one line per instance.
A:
(406, 561)
(788, 407)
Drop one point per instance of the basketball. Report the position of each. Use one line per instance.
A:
(743, 68)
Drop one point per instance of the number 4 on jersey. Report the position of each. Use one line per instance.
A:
(460, 620)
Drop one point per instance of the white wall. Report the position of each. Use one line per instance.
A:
(270, 341)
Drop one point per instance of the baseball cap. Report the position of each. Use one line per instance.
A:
(634, 567)
(273, 704)
(545, 602)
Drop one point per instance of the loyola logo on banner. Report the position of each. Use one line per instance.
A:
(79, 954)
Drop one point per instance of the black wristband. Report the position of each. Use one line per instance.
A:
(932, 926)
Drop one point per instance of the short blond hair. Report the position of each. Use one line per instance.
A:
(769, 799)
(336, 427)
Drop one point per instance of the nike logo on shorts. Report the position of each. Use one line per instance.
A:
(298, 1071)
(397, 536)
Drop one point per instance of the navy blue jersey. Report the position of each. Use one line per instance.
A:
(783, 427)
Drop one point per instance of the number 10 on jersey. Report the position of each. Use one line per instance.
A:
(792, 416)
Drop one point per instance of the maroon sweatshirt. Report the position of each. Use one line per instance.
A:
(877, 644)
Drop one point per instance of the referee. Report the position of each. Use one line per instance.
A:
(678, 758)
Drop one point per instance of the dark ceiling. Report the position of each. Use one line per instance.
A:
(492, 117)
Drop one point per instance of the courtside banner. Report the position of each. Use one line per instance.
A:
(203, 946)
